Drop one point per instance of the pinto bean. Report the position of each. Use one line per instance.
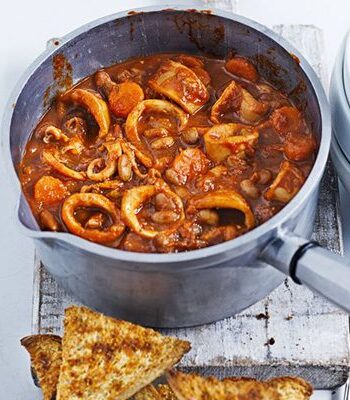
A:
(96, 221)
(190, 136)
(172, 176)
(250, 189)
(263, 176)
(164, 217)
(282, 195)
(156, 133)
(163, 143)
(49, 221)
(209, 217)
(124, 168)
(162, 202)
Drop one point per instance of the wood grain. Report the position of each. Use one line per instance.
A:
(291, 332)
(227, 5)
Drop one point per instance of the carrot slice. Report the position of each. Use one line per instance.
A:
(243, 68)
(124, 97)
(49, 190)
(286, 120)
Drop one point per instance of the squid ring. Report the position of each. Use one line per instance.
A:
(52, 158)
(132, 202)
(226, 199)
(114, 152)
(105, 173)
(77, 200)
(156, 105)
(96, 106)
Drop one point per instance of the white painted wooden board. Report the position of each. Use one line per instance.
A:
(291, 332)
(227, 5)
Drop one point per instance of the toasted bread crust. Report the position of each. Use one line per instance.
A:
(147, 393)
(105, 358)
(291, 387)
(102, 358)
(46, 358)
(161, 392)
(166, 393)
(188, 387)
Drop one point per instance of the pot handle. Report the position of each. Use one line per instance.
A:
(306, 262)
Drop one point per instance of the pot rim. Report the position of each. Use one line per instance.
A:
(156, 258)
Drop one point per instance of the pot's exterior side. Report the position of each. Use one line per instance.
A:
(167, 290)
(173, 296)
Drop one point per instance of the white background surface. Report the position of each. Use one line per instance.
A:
(25, 26)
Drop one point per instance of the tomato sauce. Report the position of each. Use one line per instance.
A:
(166, 153)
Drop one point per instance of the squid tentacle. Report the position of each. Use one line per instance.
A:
(53, 159)
(51, 132)
(114, 152)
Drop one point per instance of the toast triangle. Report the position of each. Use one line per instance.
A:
(109, 359)
(46, 357)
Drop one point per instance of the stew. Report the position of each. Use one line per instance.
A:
(166, 153)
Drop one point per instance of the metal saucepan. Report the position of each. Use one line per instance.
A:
(195, 287)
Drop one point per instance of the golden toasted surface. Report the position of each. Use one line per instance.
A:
(291, 388)
(46, 357)
(160, 392)
(105, 358)
(148, 393)
(166, 393)
(189, 387)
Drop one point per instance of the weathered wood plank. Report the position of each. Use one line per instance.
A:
(227, 5)
(292, 331)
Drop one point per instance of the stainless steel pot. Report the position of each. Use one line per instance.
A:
(196, 287)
